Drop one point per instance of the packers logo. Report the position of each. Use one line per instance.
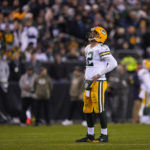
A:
(103, 31)
(42, 81)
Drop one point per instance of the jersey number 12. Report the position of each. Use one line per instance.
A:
(89, 58)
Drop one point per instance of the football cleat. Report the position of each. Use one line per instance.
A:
(102, 138)
(87, 138)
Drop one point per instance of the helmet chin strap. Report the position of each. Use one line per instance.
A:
(91, 39)
(92, 29)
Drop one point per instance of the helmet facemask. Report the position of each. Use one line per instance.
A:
(93, 35)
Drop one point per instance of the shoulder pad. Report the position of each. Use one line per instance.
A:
(104, 50)
(87, 46)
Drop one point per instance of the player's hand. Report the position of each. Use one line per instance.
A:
(96, 77)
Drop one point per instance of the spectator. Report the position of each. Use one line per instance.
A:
(73, 54)
(40, 56)
(4, 75)
(119, 37)
(146, 42)
(16, 4)
(20, 35)
(120, 99)
(76, 92)
(54, 29)
(8, 37)
(16, 67)
(46, 39)
(26, 84)
(34, 63)
(63, 54)
(32, 33)
(28, 54)
(41, 26)
(43, 87)
(50, 54)
(5, 9)
(17, 13)
(80, 27)
(130, 63)
(131, 36)
(58, 70)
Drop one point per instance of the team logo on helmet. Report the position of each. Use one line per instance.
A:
(103, 31)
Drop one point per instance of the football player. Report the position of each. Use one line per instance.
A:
(144, 77)
(99, 61)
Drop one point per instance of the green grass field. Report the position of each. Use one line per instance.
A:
(57, 137)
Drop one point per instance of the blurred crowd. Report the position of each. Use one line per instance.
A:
(50, 27)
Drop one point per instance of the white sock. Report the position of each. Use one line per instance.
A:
(104, 131)
(28, 114)
(91, 131)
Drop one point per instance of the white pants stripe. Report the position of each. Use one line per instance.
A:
(100, 97)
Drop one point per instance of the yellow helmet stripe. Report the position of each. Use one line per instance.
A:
(105, 53)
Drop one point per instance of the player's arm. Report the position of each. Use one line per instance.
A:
(110, 63)
(108, 59)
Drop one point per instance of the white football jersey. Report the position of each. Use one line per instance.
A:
(144, 77)
(94, 61)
